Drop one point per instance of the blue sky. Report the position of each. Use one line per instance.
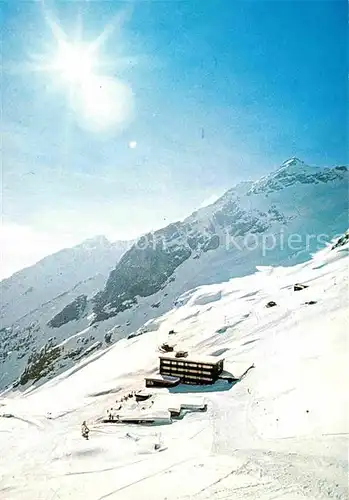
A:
(217, 91)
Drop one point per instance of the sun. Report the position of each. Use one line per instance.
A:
(74, 63)
(76, 68)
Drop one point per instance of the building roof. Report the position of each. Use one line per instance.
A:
(195, 358)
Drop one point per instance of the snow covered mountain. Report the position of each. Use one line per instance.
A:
(32, 297)
(279, 431)
(279, 220)
(251, 224)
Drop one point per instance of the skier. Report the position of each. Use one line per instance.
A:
(159, 443)
(85, 430)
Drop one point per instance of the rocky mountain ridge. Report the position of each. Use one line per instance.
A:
(250, 225)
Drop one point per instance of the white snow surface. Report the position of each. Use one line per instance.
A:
(281, 432)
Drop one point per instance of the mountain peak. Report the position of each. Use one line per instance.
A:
(95, 242)
(293, 162)
(295, 172)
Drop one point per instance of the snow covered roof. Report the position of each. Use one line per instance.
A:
(195, 358)
(158, 414)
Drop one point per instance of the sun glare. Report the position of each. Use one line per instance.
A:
(104, 102)
(74, 63)
(100, 101)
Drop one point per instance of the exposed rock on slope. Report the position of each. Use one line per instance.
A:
(71, 312)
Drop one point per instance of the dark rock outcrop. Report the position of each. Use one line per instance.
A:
(71, 312)
(298, 287)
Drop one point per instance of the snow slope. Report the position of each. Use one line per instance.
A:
(280, 432)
